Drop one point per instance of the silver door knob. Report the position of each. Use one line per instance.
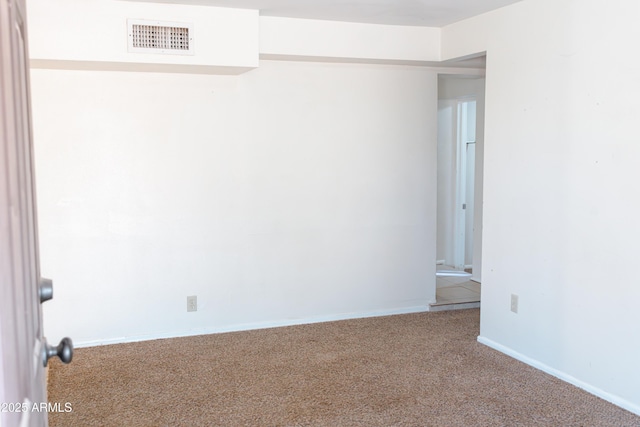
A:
(64, 351)
(45, 289)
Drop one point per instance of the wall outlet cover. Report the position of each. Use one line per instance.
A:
(514, 303)
(192, 303)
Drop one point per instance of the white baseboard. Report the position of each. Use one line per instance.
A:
(616, 400)
(251, 326)
(440, 262)
(452, 273)
(456, 306)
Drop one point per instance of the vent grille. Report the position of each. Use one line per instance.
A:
(160, 37)
(157, 37)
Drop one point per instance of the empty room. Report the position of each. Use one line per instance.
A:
(230, 212)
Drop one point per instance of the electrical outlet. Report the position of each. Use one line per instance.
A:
(514, 303)
(192, 303)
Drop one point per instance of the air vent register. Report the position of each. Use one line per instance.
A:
(172, 38)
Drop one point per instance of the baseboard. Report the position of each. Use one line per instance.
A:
(475, 279)
(252, 326)
(455, 306)
(452, 273)
(440, 262)
(616, 400)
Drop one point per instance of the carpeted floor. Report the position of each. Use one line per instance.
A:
(410, 370)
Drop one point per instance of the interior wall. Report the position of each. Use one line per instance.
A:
(292, 193)
(560, 214)
(94, 34)
(311, 38)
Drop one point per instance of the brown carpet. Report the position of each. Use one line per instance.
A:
(410, 370)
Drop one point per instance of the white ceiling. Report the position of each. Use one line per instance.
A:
(429, 13)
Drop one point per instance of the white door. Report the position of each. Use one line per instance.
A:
(465, 171)
(461, 181)
(23, 352)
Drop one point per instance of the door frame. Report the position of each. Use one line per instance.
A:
(454, 85)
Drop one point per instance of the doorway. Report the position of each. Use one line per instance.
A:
(459, 214)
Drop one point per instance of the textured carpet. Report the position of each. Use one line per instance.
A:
(410, 370)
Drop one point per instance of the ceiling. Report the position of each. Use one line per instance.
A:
(427, 13)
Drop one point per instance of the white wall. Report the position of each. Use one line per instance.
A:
(347, 41)
(560, 205)
(93, 34)
(292, 193)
